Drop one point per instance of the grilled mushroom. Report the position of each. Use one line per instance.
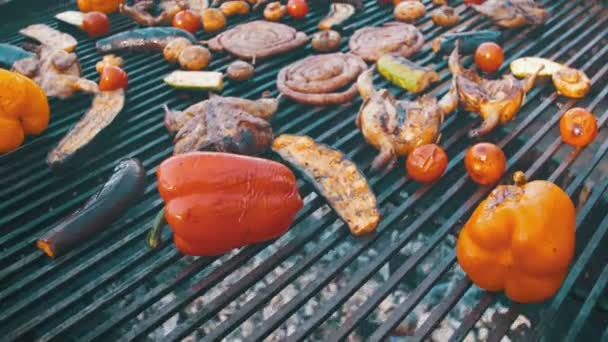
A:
(571, 83)
(445, 16)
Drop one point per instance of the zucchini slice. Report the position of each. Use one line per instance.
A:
(74, 18)
(526, 66)
(196, 80)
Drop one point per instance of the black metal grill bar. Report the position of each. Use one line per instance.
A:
(385, 327)
(144, 131)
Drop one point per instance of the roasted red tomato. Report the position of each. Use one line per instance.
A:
(489, 56)
(113, 78)
(187, 20)
(426, 163)
(96, 24)
(578, 127)
(485, 163)
(297, 8)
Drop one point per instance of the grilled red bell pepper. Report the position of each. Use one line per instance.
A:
(215, 202)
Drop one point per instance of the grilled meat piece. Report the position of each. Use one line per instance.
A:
(225, 124)
(141, 11)
(394, 127)
(335, 177)
(513, 13)
(322, 79)
(50, 37)
(143, 39)
(258, 39)
(57, 72)
(370, 43)
(496, 101)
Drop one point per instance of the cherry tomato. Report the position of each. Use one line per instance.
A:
(578, 127)
(113, 78)
(297, 8)
(426, 163)
(96, 24)
(474, 2)
(187, 20)
(489, 56)
(485, 163)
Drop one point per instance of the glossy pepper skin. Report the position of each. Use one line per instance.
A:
(520, 240)
(215, 202)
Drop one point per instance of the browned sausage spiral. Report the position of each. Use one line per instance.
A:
(370, 43)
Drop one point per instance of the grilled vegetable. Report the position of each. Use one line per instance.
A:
(445, 16)
(96, 24)
(571, 83)
(426, 163)
(409, 11)
(274, 11)
(49, 36)
(468, 41)
(234, 7)
(520, 239)
(336, 178)
(194, 57)
(213, 20)
(485, 163)
(527, 66)
(24, 109)
(85, 136)
(150, 38)
(297, 9)
(578, 127)
(326, 41)
(215, 202)
(198, 80)
(104, 6)
(113, 78)
(74, 18)
(174, 48)
(240, 71)
(9, 54)
(489, 56)
(187, 20)
(338, 14)
(405, 73)
(116, 196)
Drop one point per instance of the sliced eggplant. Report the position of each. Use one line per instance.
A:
(74, 18)
(84, 137)
(469, 41)
(337, 179)
(123, 188)
(49, 36)
(143, 39)
(9, 54)
(405, 73)
(338, 14)
(196, 80)
(527, 66)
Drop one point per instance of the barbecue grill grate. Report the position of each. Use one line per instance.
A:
(301, 285)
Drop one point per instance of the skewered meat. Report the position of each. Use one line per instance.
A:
(258, 39)
(397, 127)
(513, 13)
(225, 124)
(141, 11)
(319, 80)
(496, 101)
(335, 177)
(48, 36)
(370, 43)
(57, 72)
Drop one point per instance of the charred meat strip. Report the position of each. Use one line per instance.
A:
(335, 177)
(258, 39)
(370, 43)
(321, 80)
(513, 13)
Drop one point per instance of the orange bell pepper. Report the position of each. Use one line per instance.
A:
(24, 109)
(520, 240)
(215, 202)
(104, 6)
